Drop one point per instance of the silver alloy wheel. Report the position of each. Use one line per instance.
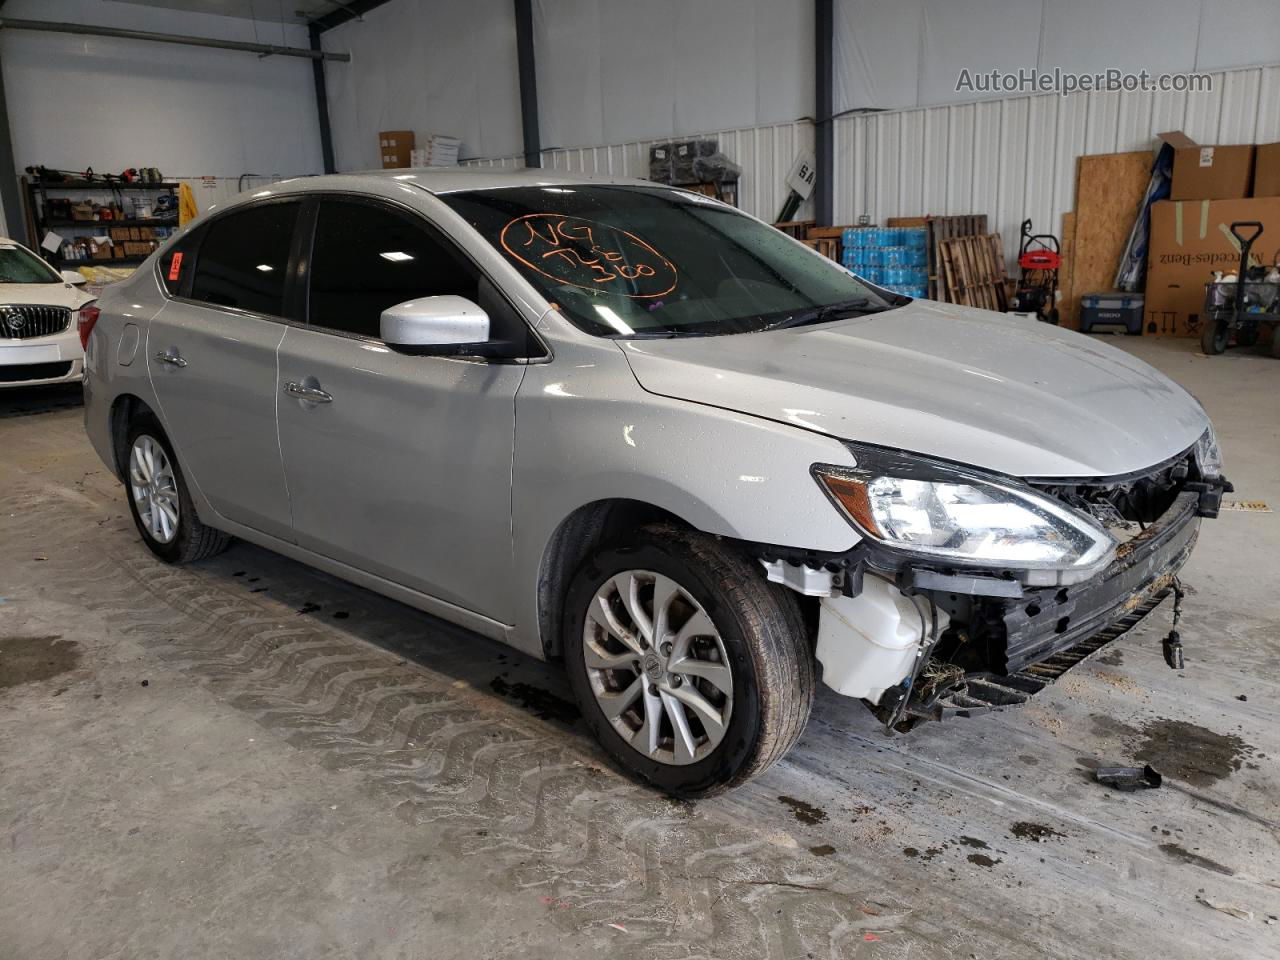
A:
(154, 489)
(658, 667)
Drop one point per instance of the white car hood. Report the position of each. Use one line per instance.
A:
(46, 294)
(999, 392)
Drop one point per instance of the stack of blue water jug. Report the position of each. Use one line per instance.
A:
(893, 257)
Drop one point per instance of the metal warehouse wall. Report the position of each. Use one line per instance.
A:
(1015, 158)
(765, 153)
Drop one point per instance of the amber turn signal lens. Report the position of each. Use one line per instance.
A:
(851, 494)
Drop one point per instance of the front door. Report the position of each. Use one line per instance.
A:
(397, 465)
(212, 356)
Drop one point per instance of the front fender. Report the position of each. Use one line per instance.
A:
(586, 431)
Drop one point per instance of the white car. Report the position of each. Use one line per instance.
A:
(38, 343)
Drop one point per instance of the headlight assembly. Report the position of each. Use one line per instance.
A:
(1208, 456)
(952, 515)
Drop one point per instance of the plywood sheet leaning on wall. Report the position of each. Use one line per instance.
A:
(1109, 189)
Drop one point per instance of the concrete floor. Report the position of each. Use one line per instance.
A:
(248, 759)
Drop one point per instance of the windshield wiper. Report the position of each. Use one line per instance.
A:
(823, 314)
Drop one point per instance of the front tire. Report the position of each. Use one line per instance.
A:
(159, 500)
(691, 669)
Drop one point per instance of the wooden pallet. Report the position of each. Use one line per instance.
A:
(795, 228)
(940, 230)
(829, 247)
(973, 271)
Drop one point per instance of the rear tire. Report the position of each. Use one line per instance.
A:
(1275, 342)
(753, 628)
(159, 500)
(1214, 338)
(1247, 336)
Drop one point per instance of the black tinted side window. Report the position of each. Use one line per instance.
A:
(244, 258)
(366, 259)
(178, 262)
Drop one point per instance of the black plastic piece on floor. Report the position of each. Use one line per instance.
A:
(1129, 778)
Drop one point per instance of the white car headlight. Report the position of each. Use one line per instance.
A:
(964, 518)
(1208, 456)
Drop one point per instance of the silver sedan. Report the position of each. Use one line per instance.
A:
(626, 426)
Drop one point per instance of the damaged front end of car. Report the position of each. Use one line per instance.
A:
(972, 591)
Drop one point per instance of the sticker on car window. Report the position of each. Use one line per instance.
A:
(175, 267)
(589, 254)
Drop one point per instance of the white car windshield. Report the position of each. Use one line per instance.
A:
(19, 266)
(624, 261)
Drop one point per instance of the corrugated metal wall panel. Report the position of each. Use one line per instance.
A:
(765, 154)
(1015, 158)
(1011, 159)
(1268, 123)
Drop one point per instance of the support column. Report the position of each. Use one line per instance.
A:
(824, 94)
(528, 83)
(322, 102)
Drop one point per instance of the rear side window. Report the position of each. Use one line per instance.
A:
(178, 262)
(367, 259)
(244, 259)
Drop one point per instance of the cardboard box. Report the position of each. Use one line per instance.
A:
(1190, 240)
(396, 148)
(1212, 173)
(1266, 170)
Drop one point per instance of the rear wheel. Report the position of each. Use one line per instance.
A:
(1247, 335)
(690, 668)
(160, 502)
(1214, 338)
(1275, 341)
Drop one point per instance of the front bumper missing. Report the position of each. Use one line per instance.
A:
(982, 692)
(1049, 631)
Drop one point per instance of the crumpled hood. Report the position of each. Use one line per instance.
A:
(1000, 392)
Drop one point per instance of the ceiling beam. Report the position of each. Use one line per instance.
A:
(347, 11)
(90, 30)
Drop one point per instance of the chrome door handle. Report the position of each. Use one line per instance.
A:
(170, 358)
(309, 394)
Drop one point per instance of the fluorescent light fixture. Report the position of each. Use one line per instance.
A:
(396, 256)
(613, 320)
(265, 267)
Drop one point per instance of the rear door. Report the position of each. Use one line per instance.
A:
(399, 465)
(212, 356)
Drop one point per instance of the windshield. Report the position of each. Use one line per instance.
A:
(636, 261)
(19, 266)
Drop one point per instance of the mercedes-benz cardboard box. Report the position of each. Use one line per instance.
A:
(1190, 239)
(1266, 170)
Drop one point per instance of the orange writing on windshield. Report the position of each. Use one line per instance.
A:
(589, 254)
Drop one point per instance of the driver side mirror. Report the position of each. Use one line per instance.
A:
(439, 326)
(74, 277)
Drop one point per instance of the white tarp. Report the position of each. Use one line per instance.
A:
(428, 67)
(611, 71)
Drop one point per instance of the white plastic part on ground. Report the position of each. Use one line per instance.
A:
(867, 643)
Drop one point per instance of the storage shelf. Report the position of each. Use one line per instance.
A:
(101, 185)
(153, 222)
(113, 262)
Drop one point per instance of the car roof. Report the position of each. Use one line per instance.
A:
(442, 180)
